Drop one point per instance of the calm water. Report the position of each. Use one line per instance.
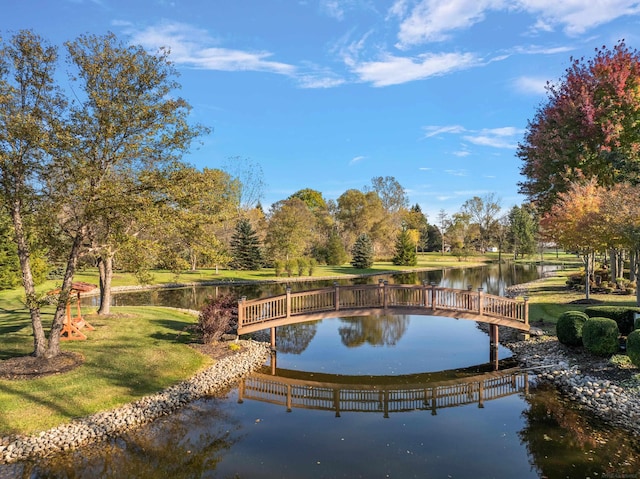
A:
(392, 396)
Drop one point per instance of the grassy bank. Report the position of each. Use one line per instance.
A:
(549, 298)
(135, 352)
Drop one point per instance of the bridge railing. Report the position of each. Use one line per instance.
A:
(382, 296)
(294, 393)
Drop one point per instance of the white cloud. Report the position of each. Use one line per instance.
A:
(333, 8)
(194, 47)
(393, 70)
(356, 159)
(577, 16)
(432, 20)
(424, 168)
(434, 130)
(435, 20)
(496, 137)
(531, 85)
(456, 172)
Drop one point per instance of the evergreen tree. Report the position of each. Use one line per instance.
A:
(245, 247)
(405, 250)
(362, 252)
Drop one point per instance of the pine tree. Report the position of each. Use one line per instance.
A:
(362, 252)
(405, 250)
(245, 247)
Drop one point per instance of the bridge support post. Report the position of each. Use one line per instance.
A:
(273, 338)
(494, 342)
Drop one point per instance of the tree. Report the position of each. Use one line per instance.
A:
(245, 247)
(405, 249)
(394, 198)
(30, 106)
(434, 239)
(484, 213)
(336, 253)
(291, 230)
(359, 213)
(443, 224)
(362, 252)
(126, 121)
(522, 231)
(586, 129)
(575, 220)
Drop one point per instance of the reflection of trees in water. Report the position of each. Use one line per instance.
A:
(295, 338)
(184, 445)
(406, 278)
(564, 442)
(375, 330)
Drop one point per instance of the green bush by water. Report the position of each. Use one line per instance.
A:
(569, 327)
(600, 336)
(633, 347)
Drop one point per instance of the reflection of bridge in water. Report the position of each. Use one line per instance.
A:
(382, 394)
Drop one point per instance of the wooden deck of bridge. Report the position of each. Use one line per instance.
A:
(383, 298)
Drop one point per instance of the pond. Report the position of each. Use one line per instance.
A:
(389, 396)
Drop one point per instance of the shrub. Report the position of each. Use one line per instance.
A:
(302, 265)
(633, 347)
(278, 265)
(600, 336)
(217, 317)
(622, 315)
(569, 327)
(290, 266)
(312, 266)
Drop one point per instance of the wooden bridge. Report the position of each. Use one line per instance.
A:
(383, 298)
(379, 396)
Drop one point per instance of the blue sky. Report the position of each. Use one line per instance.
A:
(327, 94)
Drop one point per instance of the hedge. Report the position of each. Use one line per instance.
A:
(622, 315)
(600, 336)
(633, 347)
(569, 327)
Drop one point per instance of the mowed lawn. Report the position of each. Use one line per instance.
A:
(132, 353)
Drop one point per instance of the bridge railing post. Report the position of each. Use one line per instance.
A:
(425, 297)
(480, 302)
(241, 312)
(434, 302)
(336, 295)
(384, 294)
(288, 301)
(380, 292)
(526, 310)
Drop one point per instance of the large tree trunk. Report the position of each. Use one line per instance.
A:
(58, 318)
(613, 264)
(587, 279)
(632, 265)
(105, 268)
(39, 338)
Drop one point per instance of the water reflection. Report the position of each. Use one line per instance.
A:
(381, 394)
(382, 330)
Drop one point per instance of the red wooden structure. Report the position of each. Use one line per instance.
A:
(71, 328)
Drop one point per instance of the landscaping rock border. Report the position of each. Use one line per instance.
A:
(214, 380)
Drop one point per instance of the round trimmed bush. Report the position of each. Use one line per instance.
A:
(569, 327)
(633, 347)
(600, 336)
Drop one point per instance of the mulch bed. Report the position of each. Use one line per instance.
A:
(30, 367)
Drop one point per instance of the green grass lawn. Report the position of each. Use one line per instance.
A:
(132, 353)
